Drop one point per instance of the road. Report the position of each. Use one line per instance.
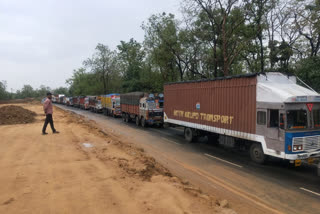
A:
(276, 187)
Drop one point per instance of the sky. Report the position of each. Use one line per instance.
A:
(42, 41)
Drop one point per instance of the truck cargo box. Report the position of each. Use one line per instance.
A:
(213, 105)
(132, 98)
(130, 102)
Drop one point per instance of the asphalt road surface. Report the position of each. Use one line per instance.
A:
(276, 187)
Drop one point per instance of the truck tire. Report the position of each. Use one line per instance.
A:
(189, 135)
(127, 118)
(123, 117)
(137, 121)
(143, 122)
(256, 153)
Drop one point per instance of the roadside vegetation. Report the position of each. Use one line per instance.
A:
(214, 38)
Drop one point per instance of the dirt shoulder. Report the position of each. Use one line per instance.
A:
(84, 170)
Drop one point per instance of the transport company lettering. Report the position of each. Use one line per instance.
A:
(223, 119)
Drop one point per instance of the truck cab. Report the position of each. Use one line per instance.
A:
(151, 110)
(288, 116)
(115, 106)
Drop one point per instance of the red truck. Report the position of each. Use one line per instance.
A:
(81, 102)
(76, 101)
(143, 108)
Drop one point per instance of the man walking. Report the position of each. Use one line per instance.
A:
(47, 107)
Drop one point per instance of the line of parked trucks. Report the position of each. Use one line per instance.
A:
(269, 114)
(142, 108)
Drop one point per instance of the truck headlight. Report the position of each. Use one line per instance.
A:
(297, 148)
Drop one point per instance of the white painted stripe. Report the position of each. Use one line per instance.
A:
(223, 160)
(171, 141)
(315, 193)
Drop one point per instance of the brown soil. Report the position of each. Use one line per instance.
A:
(16, 115)
(59, 174)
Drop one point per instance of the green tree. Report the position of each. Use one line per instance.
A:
(102, 63)
(3, 92)
(131, 56)
(27, 92)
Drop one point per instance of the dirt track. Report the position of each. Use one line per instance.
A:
(59, 174)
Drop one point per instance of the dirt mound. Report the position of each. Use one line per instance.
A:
(15, 115)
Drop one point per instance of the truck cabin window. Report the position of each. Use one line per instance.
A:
(316, 118)
(274, 118)
(261, 118)
(297, 119)
(282, 119)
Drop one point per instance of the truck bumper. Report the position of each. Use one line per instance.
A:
(302, 156)
(154, 122)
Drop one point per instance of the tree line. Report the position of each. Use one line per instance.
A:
(214, 38)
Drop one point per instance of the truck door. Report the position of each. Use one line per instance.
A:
(273, 124)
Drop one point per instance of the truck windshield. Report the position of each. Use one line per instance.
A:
(297, 119)
(316, 118)
(151, 105)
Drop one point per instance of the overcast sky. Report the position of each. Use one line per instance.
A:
(42, 41)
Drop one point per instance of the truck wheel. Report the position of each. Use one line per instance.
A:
(127, 118)
(137, 121)
(189, 135)
(143, 122)
(124, 117)
(256, 153)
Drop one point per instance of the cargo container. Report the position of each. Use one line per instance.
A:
(142, 108)
(111, 105)
(267, 114)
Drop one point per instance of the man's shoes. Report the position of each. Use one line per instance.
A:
(44, 133)
(56, 132)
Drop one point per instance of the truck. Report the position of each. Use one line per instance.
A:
(142, 108)
(111, 105)
(55, 98)
(95, 104)
(76, 102)
(69, 101)
(86, 103)
(81, 101)
(268, 114)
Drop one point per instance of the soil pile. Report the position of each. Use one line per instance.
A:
(16, 115)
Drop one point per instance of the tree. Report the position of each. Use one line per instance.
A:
(27, 92)
(307, 21)
(3, 92)
(62, 90)
(227, 19)
(102, 63)
(131, 58)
